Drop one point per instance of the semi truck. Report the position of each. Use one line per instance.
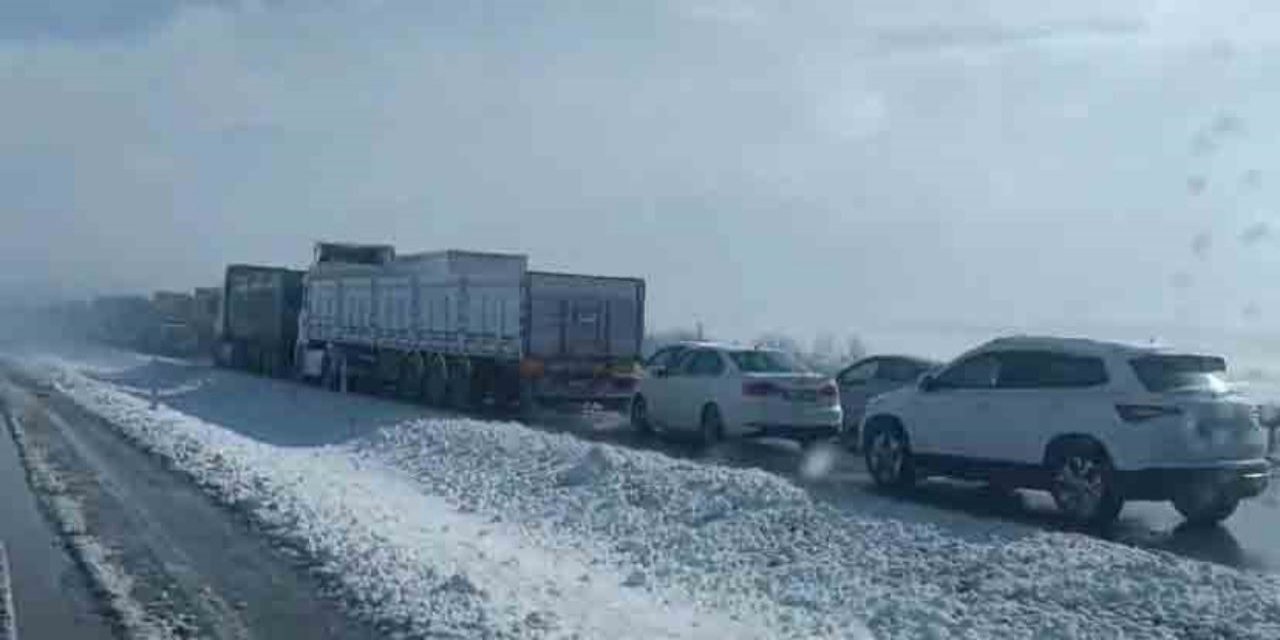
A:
(457, 328)
(257, 327)
(128, 321)
(176, 333)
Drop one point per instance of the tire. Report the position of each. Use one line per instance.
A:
(409, 382)
(329, 373)
(640, 416)
(436, 387)
(527, 398)
(1081, 481)
(711, 427)
(1203, 506)
(460, 386)
(888, 456)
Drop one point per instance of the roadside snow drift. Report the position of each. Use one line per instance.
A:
(478, 529)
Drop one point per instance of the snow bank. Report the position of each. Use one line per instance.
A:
(7, 629)
(480, 528)
(411, 562)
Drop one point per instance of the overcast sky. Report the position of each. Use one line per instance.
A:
(844, 165)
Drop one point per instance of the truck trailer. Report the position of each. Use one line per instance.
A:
(456, 328)
(257, 328)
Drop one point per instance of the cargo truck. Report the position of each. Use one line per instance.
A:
(257, 327)
(455, 328)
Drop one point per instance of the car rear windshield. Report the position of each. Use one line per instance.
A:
(1181, 373)
(764, 362)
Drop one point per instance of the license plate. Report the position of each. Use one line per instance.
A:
(803, 395)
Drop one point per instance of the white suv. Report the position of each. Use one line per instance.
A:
(1094, 423)
(717, 391)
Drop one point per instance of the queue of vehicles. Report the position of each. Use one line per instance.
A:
(450, 328)
(1094, 423)
(171, 323)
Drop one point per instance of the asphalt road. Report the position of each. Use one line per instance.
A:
(193, 564)
(50, 596)
(310, 417)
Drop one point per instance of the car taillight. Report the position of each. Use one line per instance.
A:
(1144, 412)
(760, 389)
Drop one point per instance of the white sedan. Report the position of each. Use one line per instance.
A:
(719, 391)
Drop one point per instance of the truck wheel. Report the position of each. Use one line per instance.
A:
(410, 383)
(437, 383)
(460, 385)
(528, 398)
(1081, 483)
(1204, 505)
(329, 373)
(271, 364)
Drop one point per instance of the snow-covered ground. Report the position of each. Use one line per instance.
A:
(490, 528)
(7, 628)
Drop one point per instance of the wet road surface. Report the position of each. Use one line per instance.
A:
(51, 597)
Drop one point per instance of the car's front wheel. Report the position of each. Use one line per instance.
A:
(712, 426)
(1082, 483)
(888, 455)
(1203, 506)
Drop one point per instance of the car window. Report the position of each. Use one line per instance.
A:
(975, 372)
(899, 370)
(682, 361)
(706, 363)
(1048, 370)
(1162, 373)
(764, 361)
(664, 357)
(860, 373)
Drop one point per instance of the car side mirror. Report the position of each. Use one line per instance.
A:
(928, 383)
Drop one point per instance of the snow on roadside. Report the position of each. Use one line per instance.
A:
(487, 528)
(8, 631)
(412, 563)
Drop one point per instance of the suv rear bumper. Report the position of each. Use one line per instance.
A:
(792, 431)
(1243, 480)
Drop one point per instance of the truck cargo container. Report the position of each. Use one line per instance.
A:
(457, 327)
(175, 335)
(128, 321)
(205, 314)
(258, 323)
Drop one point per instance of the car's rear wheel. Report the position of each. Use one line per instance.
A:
(1204, 505)
(888, 455)
(712, 428)
(1082, 483)
(640, 416)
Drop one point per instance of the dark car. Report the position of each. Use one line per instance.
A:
(868, 378)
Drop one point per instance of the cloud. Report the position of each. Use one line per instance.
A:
(726, 156)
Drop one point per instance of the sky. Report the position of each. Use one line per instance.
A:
(829, 167)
